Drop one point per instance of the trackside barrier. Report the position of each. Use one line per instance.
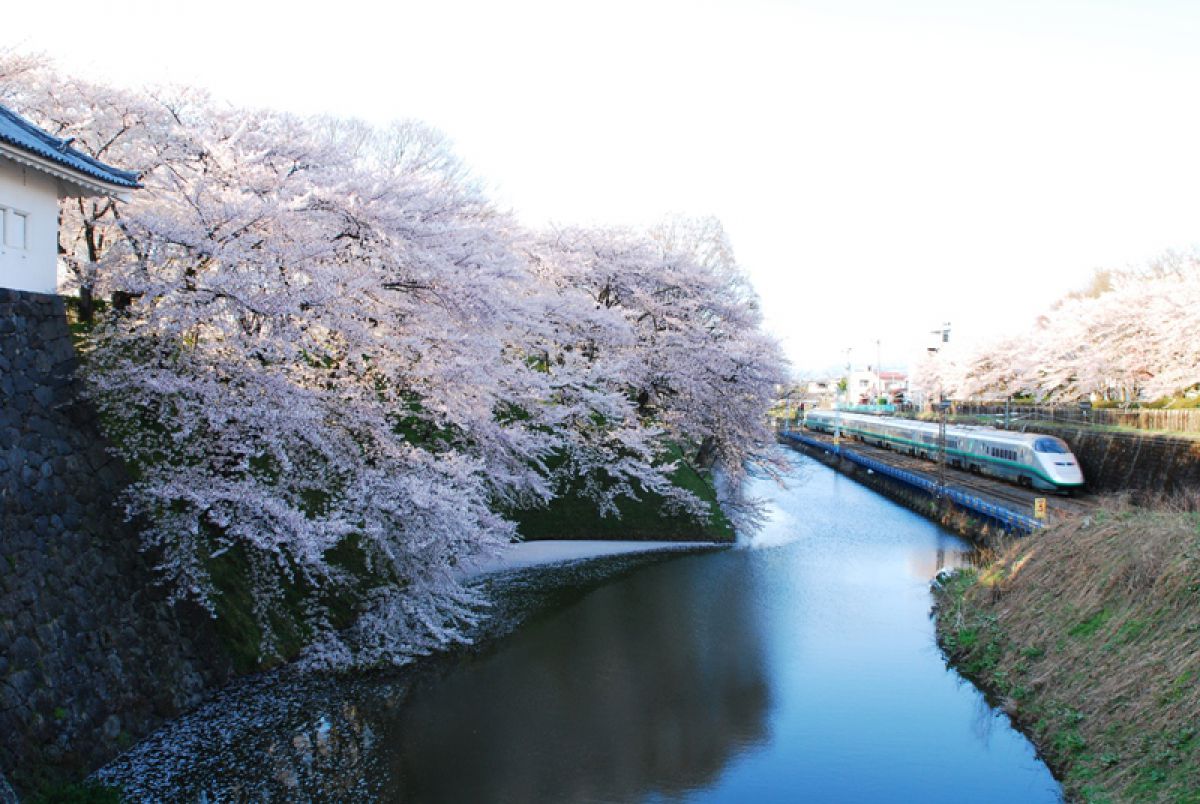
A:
(1007, 517)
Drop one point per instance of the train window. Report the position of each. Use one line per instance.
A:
(1050, 445)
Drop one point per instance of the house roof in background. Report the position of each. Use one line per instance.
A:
(23, 136)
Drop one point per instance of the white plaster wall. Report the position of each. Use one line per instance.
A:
(35, 194)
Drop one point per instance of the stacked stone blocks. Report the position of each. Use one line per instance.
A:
(91, 656)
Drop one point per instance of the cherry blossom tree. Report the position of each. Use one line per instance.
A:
(318, 356)
(16, 68)
(331, 344)
(676, 327)
(1123, 338)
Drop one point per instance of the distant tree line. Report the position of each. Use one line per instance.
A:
(1128, 337)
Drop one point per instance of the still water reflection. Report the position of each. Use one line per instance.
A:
(650, 685)
(799, 668)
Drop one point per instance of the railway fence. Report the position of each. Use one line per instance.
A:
(1180, 420)
(1013, 521)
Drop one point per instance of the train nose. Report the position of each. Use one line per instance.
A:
(1068, 472)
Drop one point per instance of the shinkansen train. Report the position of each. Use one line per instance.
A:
(1039, 461)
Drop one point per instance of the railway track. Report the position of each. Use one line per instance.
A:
(1015, 498)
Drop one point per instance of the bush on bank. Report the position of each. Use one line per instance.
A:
(1088, 635)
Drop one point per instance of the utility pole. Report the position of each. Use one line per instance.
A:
(943, 406)
(931, 351)
(844, 394)
(878, 371)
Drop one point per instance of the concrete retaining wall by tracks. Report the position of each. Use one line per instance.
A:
(91, 657)
(1135, 462)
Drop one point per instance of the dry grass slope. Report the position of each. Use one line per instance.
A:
(1089, 636)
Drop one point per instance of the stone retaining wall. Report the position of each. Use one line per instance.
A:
(90, 655)
(1113, 461)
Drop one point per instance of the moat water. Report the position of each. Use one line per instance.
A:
(798, 667)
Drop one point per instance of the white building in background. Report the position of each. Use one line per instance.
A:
(894, 385)
(861, 386)
(819, 389)
(38, 169)
(867, 386)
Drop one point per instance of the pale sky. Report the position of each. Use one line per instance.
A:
(881, 167)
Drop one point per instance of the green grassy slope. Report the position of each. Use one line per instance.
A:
(572, 516)
(1088, 634)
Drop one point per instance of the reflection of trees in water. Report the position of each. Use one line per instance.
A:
(650, 685)
(925, 565)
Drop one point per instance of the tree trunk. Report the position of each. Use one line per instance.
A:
(707, 453)
(87, 304)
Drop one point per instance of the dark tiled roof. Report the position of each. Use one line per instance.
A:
(20, 133)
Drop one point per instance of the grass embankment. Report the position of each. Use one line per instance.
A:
(573, 516)
(1088, 634)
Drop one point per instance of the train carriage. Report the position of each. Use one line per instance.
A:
(1030, 459)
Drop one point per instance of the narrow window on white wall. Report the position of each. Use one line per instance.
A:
(16, 227)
